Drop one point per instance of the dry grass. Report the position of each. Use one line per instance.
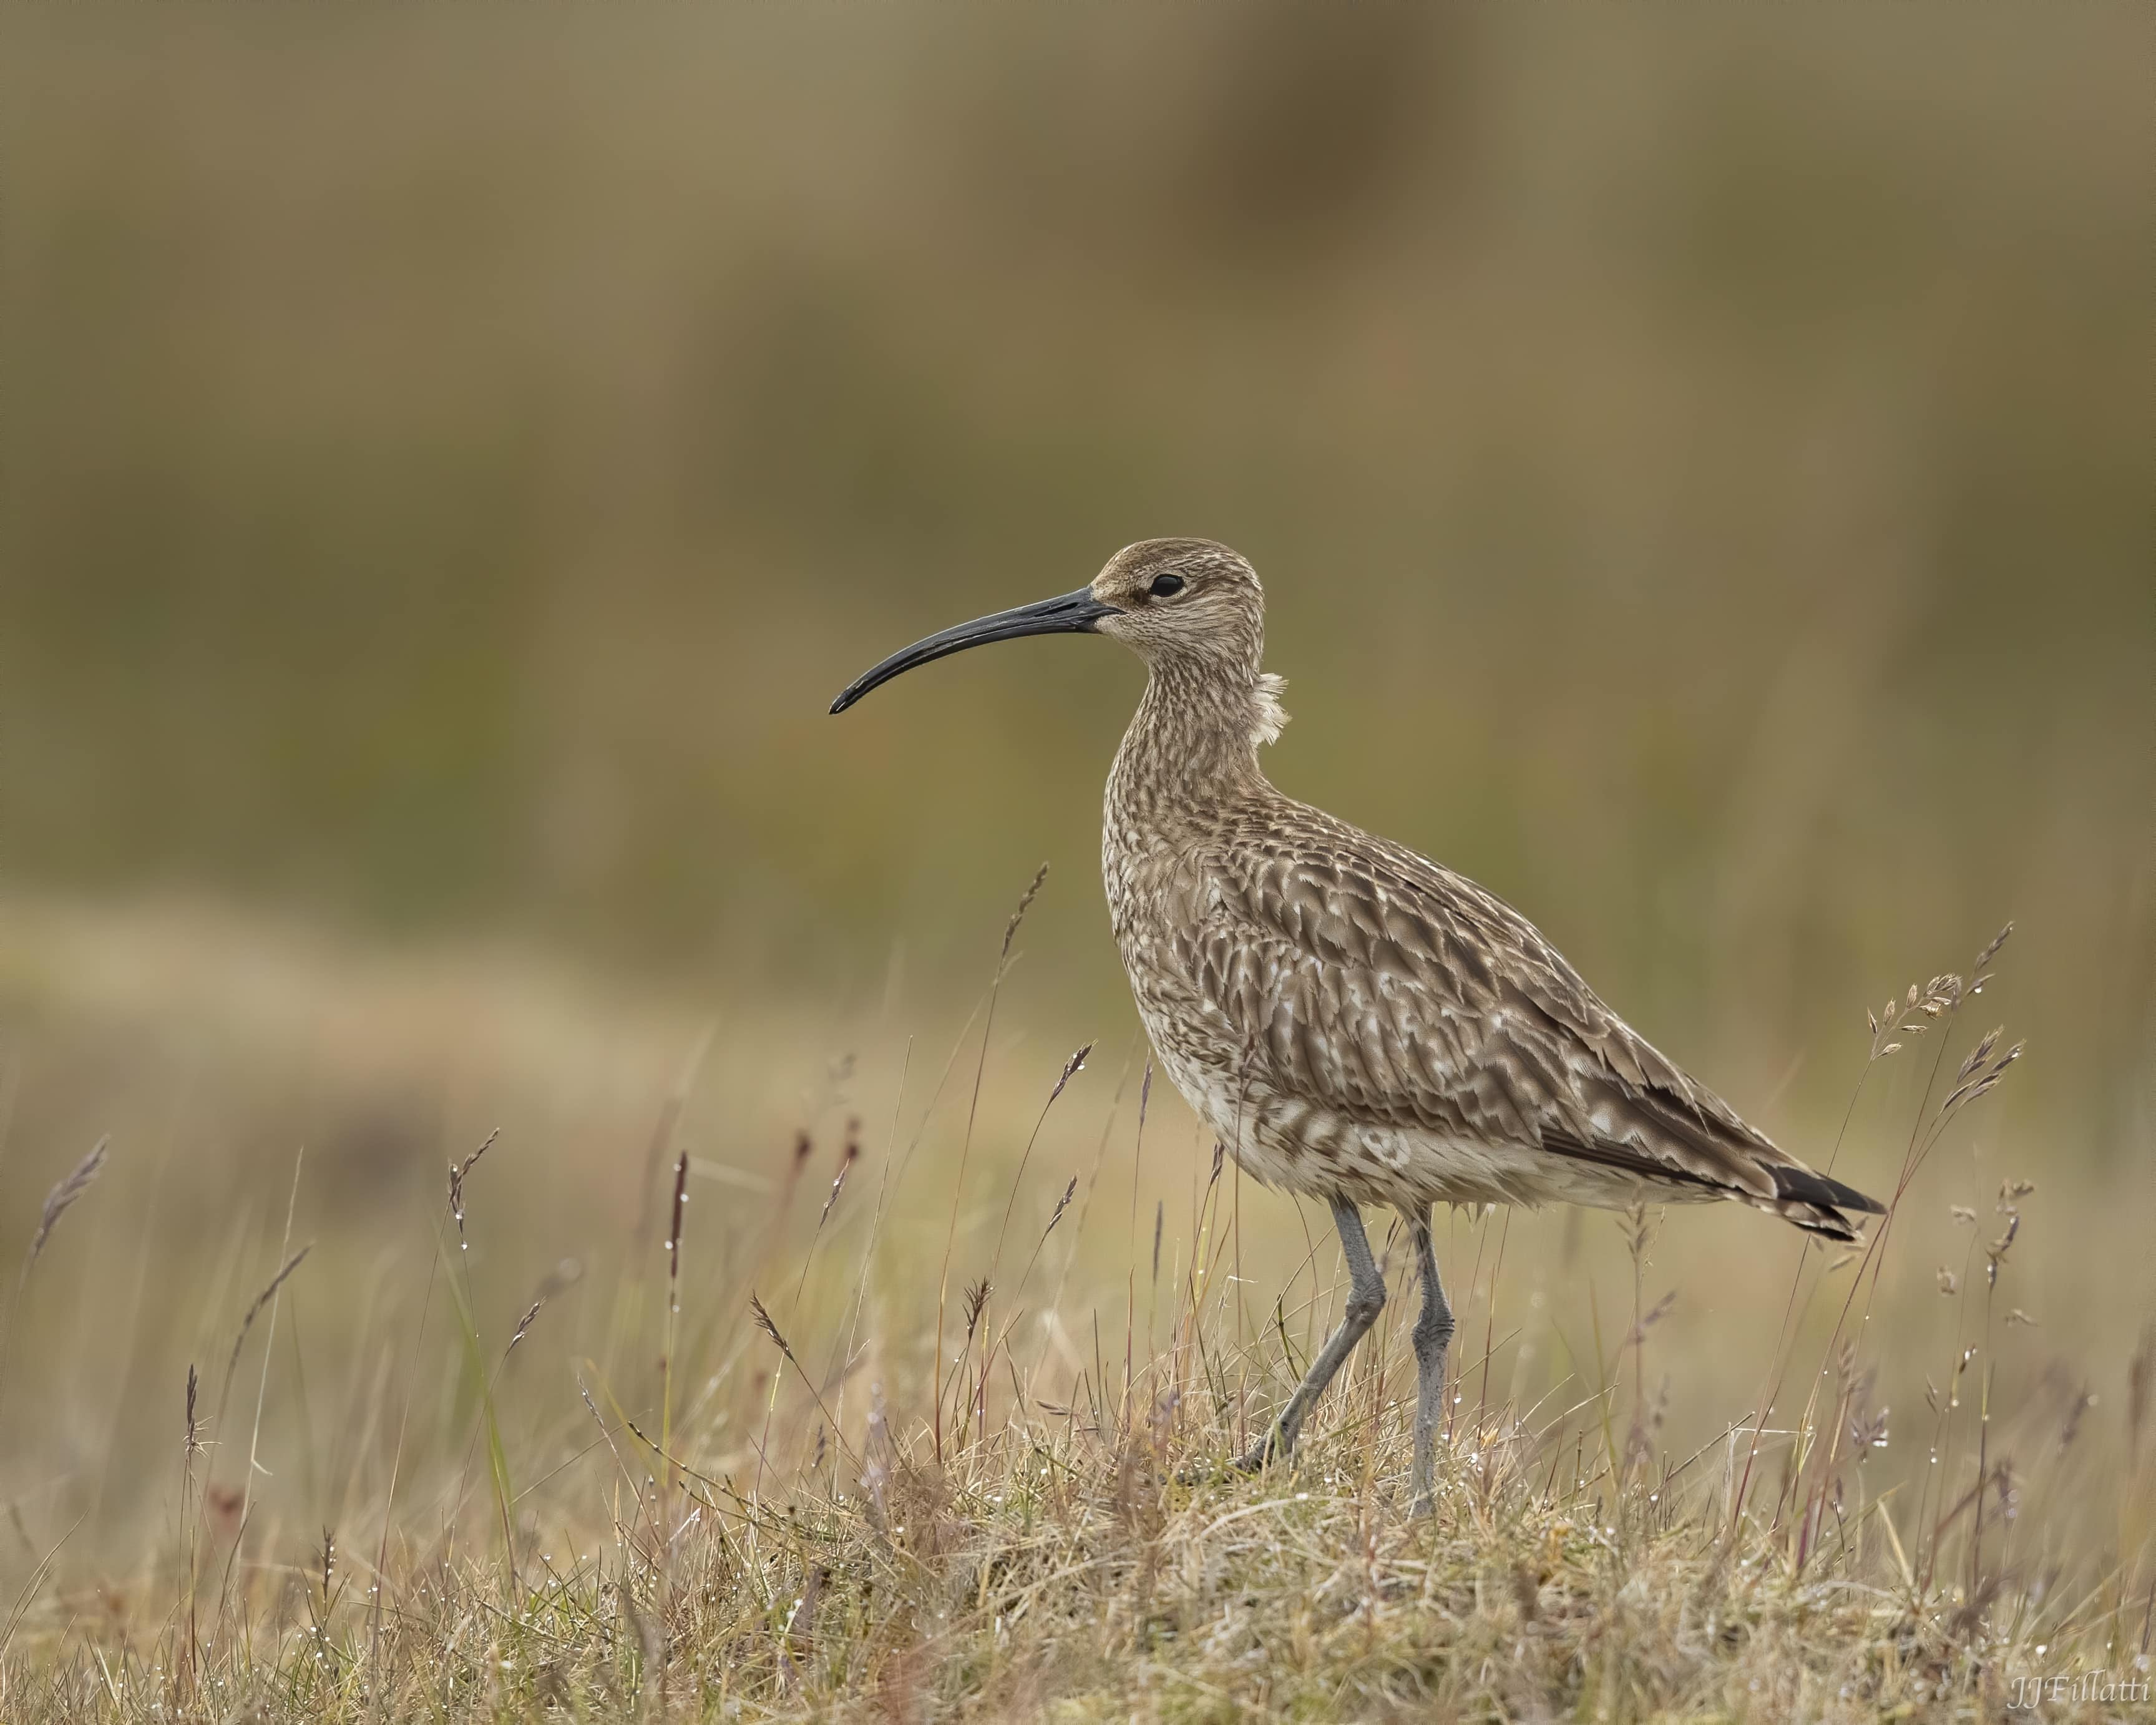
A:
(759, 1486)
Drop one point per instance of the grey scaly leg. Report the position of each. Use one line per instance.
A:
(1433, 1331)
(1365, 1299)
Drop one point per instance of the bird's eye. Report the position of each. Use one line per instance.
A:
(1166, 587)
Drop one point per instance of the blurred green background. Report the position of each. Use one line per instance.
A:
(1700, 465)
(1700, 459)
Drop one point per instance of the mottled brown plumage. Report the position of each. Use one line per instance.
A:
(1352, 1020)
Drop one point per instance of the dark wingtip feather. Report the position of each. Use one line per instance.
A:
(1806, 1187)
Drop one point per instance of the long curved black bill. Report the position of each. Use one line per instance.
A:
(1070, 613)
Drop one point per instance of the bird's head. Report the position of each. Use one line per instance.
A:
(1187, 606)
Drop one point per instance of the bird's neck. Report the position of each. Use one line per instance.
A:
(1192, 748)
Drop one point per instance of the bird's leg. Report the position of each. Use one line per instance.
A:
(1365, 1299)
(1433, 1332)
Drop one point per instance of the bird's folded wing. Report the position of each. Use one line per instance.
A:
(1368, 981)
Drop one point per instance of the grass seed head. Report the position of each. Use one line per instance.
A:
(763, 1321)
(1025, 903)
(63, 1197)
(261, 1299)
(458, 1172)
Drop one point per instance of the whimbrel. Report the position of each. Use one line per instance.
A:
(1354, 1021)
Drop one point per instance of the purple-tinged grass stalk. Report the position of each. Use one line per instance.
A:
(848, 1154)
(1130, 1282)
(1071, 1067)
(972, 1110)
(66, 1193)
(482, 1383)
(675, 1217)
(64, 1196)
(763, 1320)
(275, 1295)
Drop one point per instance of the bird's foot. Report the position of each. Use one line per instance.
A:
(1276, 1445)
(1213, 1469)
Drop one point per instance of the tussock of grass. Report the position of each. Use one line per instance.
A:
(764, 1489)
(1059, 1567)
